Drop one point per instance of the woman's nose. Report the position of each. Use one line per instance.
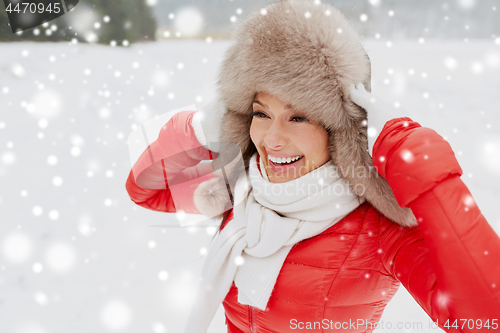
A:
(276, 136)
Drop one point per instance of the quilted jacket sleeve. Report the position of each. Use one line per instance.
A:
(450, 262)
(169, 170)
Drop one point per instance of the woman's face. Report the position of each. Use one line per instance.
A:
(289, 144)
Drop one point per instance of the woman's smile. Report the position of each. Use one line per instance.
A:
(282, 163)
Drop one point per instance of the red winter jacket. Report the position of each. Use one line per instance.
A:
(343, 278)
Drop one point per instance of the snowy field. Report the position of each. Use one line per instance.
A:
(78, 256)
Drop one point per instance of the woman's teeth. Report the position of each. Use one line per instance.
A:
(281, 160)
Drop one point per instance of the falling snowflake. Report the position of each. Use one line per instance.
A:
(477, 67)
(407, 156)
(18, 70)
(8, 158)
(493, 60)
(158, 327)
(467, 4)
(37, 267)
(40, 298)
(116, 315)
(239, 260)
(450, 63)
(17, 247)
(60, 257)
(189, 21)
(163, 275)
(37, 211)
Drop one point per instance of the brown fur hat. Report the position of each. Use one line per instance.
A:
(306, 54)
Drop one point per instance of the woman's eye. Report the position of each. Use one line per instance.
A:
(259, 114)
(299, 119)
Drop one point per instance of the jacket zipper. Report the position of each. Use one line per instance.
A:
(251, 319)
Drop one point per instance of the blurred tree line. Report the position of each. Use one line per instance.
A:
(410, 18)
(134, 20)
(99, 21)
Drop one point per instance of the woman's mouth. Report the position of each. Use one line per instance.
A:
(282, 164)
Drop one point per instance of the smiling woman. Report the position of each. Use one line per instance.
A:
(292, 99)
(289, 145)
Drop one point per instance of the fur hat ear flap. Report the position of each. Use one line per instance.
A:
(349, 151)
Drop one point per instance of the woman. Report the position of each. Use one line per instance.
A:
(312, 236)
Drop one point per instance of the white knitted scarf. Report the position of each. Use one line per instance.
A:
(269, 218)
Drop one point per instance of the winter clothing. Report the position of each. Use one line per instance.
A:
(349, 272)
(207, 124)
(270, 219)
(308, 55)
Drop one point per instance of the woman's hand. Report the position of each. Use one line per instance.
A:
(207, 123)
(379, 111)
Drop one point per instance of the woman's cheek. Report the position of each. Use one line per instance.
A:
(256, 132)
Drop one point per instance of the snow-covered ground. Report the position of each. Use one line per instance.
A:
(78, 256)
